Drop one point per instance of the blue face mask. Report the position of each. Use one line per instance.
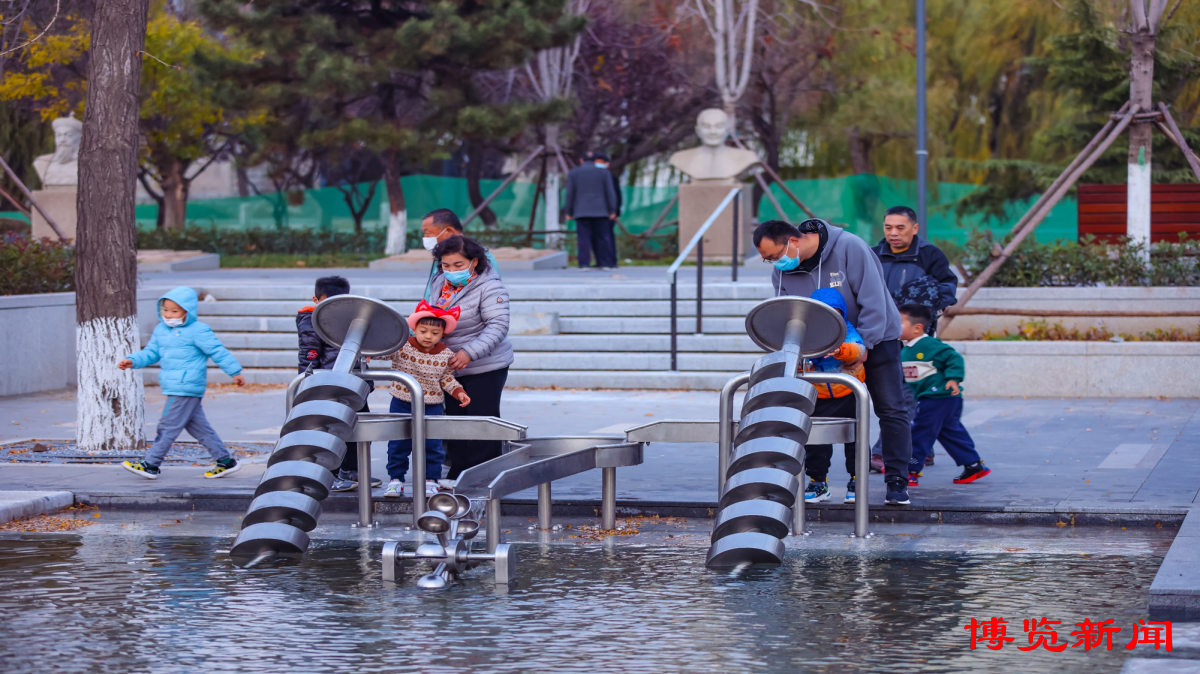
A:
(785, 263)
(458, 278)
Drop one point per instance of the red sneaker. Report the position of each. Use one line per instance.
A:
(913, 480)
(876, 463)
(972, 472)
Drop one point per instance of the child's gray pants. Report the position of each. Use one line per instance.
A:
(184, 412)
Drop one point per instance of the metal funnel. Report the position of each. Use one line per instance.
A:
(749, 547)
(767, 517)
(319, 447)
(267, 539)
(301, 476)
(340, 387)
(321, 415)
(774, 422)
(789, 392)
(770, 484)
(786, 455)
(289, 507)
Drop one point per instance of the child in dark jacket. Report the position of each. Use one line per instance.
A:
(834, 400)
(182, 346)
(934, 371)
(318, 355)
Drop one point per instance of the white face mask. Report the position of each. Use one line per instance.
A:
(429, 242)
(173, 322)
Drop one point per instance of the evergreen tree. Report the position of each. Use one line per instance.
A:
(400, 79)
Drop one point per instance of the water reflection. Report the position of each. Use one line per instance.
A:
(176, 605)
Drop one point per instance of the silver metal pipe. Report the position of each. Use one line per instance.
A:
(291, 393)
(418, 431)
(366, 509)
(545, 517)
(493, 524)
(725, 428)
(351, 345)
(862, 458)
(798, 509)
(608, 498)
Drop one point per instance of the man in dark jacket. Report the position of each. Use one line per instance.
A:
(592, 203)
(318, 355)
(916, 272)
(908, 259)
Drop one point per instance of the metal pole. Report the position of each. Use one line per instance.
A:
(417, 432)
(862, 458)
(366, 509)
(922, 152)
(798, 509)
(545, 517)
(351, 345)
(674, 326)
(493, 524)
(608, 498)
(725, 427)
(737, 206)
(700, 287)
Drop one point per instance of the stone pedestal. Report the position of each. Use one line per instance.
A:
(59, 202)
(697, 201)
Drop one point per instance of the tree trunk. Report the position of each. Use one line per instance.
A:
(1141, 82)
(475, 152)
(397, 224)
(110, 407)
(860, 151)
(174, 191)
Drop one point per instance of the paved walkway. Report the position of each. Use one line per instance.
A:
(1047, 455)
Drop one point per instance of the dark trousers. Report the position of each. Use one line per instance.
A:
(818, 457)
(595, 235)
(484, 389)
(350, 460)
(941, 419)
(885, 383)
(400, 450)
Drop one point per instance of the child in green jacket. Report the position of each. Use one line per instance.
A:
(933, 371)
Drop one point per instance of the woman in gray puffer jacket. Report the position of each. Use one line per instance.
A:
(482, 352)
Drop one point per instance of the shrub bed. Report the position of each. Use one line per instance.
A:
(1072, 264)
(29, 266)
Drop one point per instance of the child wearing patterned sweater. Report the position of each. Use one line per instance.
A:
(425, 357)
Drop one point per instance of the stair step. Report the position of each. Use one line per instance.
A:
(287, 341)
(699, 381)
(572, 308)
(538, 292)
(713, 325)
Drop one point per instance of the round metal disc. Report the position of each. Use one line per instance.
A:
(322, 415)
(342, 387)
(770, 484)
(289, 507)
(749, 547)
(768, 517)
(786, 455)
(825, 329)
(781, 392)
(266, 538)
(386, 333)
(302, 476)
(774, 422)
(319, 447)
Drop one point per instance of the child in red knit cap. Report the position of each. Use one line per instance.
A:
(425, 357)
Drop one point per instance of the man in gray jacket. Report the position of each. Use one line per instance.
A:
(592, 203)
(815, 255)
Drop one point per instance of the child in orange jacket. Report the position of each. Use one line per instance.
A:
(834, 400)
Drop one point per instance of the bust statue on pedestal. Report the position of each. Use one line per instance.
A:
(713, 160)
(713, 169)
(59, 173)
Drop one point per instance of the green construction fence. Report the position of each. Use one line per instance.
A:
(856, 202)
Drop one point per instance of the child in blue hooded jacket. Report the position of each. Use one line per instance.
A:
(183, 346)
(834, 400)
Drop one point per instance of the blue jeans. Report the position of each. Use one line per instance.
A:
(941, 419)
(400, 450)
(184, 412)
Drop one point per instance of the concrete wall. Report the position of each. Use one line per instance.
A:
(1082, 369)
(1090, 299)
(37, 336)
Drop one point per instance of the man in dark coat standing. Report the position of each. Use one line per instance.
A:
(916, 272)
(592, 203)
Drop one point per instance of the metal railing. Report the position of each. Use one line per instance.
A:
(697, 243)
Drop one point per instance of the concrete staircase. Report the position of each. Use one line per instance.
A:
(610, 335)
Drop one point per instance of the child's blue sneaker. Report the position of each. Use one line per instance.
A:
(817, 491)
(850, 491)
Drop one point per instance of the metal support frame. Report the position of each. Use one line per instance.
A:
(700, 287)
(733, 261)
(608, 498)
(493, 524)
(545, 517)
(862, 446)
(418, 448)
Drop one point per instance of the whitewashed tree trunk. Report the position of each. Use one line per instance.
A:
(395, 208)
(552, 208)
(1145, 22)
(397, 229)
(110, 402)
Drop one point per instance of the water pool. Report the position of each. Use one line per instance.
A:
(146, 602)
